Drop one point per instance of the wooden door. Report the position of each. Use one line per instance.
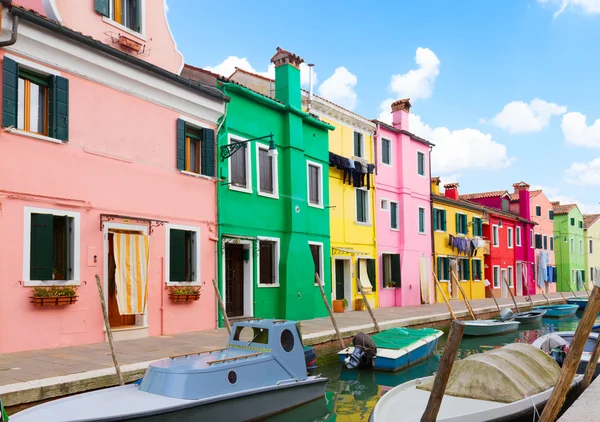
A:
(234, 280)
(115, 319)
(339, 279)
(504, 280)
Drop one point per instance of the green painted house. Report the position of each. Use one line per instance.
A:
(569, 250)
(273, 213)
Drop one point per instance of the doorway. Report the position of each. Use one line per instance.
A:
(339, 279)
(342, 280)
(520, 279)
(115, 319)
(503, 280)
(237, 270)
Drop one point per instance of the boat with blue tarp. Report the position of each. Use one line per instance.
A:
(263, 371)
(558, 311)
(390, 350)
(580, 301)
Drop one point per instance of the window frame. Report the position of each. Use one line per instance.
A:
(197, 254)
(274, 171)
(362, 144)
(510, 237)
(322, 263)
(480, 268)
(419, 154)
(531, 244)
(397, 228)
(387, 203)
(551, 243)
(538, 211)
(424, 220)
(248, 189)
(457, 217)
(320, 167)
(495, 236)
(445, 259)
(581, 246)
(572, 245)
(43, 83)
(510, 276)
(494, 267)
(518, 236)
(276, 263)
(464, 262)
(76, 247)
(590, 247)
(367, 206)
(389, 142)
(439, 213)
(142, 13)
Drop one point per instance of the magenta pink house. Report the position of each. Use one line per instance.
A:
(404, 237)
(107, 169)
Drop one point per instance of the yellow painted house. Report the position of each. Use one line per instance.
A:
(351, 201)
(591, 232)
(453, 218)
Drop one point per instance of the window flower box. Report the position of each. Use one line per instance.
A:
(54, 295)
(184, 293)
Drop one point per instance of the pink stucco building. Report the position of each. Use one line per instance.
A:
(403, 210)
(103, 144)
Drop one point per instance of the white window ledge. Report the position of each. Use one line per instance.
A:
(269, 195)
(50, 283)
(267, 286)
(240, 189)
(183, 283)
(35, 136)
(196, 175)
(320, 206)
(123, 28)
(360, 223)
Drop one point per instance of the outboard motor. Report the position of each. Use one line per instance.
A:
(505, 314)
(364, 350)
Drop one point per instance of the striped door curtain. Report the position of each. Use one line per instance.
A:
(131, 273)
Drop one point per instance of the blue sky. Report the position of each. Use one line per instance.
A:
(507, 90)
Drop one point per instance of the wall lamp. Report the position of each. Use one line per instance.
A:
(230, 149)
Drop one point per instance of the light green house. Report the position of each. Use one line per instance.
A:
(591, 230)
(569, 247)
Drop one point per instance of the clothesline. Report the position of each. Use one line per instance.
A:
(356, 172)
(465, 245)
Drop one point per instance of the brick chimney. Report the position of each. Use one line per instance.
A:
(522, 189)
(435, 185)
(400, 112)
(287, 78)
(451, 190)
(555, 203)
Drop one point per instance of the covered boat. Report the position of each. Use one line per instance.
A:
(262, 371)
(580, 301)
(529, 317)
(558, 311)
(498, 385)
(551, 341)
(489, 327)
(391, 350)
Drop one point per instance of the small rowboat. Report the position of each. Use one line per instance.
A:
(579, 301)
(489, 327)
(530, 317)
(558, 311)
(568, 337)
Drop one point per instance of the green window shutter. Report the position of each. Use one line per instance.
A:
(42, 248)
(467, 271)
(9, 92)
(102, 7)
(177, 255)
(439, 268)
(68, 247)
(208, 152)
(457, 216)
(480, 224)
(446, 269)
(180, 144)
(444, 220)
(465, 227)
(137, 23)
(396, 274)
(435, 219)
(59, 108)
(475, 269)
(371, 273)
(474, 223)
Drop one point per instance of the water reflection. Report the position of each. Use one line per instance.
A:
(352, 394)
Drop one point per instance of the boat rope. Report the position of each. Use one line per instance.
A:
(536, 414)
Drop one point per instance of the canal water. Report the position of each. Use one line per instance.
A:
(352, 394)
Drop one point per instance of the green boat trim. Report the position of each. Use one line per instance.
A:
(401, 338)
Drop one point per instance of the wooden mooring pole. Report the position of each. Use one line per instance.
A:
(437, 283)
(464, 296)
(487, 284)
(337, 330)
(591, 366)
(222, 306)
(511, 294)
(570, 288)
(109, 331)
(441, 377)
(547, 301)
(364, 296)
(567, 373)
(586, 289)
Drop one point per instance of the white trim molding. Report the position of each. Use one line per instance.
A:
(494, 277)
(495, 236)
(424, 220)
(320, 167)
(274, 172)
(248, 283)
(322, 269)
(397, 216)
(196, 262)
(424, 164)
(246, 149)
(276, 258)
(76, 247)
(510, 237)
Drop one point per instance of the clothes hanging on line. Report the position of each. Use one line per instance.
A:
(542, 274)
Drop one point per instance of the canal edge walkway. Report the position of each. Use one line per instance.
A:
(27, 377)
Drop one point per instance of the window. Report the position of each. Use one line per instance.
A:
(268, 261)
(362, 205)
(465, 270)
(509, 232)
(366, 274)
(124, 12)
(358, 144)
(538, 211)
(315, 184)
(495, 240)
(538, 241)
(316, 250)
(496, 277)
(551, 215)
(461, 223)
(51, 247)
(510, 277)
(545, 242)
(572, 245)
(551, 243)
(267, 172)
(182, 256)
(573, 222)
(591, 249)
(439, 219)
(394, 215)
(34, 102)
(592, 274)
(518, 236)
(531, 238)
(391, 270)
(476, 269)
(580, 224)
(384, 204)
(581, 247)
(477, 227)
(421, 220)
(386, 151)
(196, 149)
(443, 268)
(505, 205)
(240, 166)
(420, 163)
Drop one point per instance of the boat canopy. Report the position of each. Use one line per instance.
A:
(400, 338)
(504, 375)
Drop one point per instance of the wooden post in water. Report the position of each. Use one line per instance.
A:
(567, 373)
(586, 289)
(591, 366)
(452, 274)
(570, 288)
(222, 306)
(364, 296)
(511, 294)
(441, 377)
(109, 331)
(547, 301)
(437, 283)
(337, 330)
(487, 284)
(563, 296)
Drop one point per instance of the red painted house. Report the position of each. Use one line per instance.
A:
(509, 232)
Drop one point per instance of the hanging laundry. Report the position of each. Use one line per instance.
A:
(550, 274)
(451, 241)
(542, 274)
(370, 168)
(579, 280)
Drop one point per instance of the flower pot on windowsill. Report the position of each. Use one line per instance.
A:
(54, 295)
(184, 293)
(53, 300)
(338, 306)
(184, 298)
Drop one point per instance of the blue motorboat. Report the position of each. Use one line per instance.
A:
(558, 311)
(391, 350)
(580, 301)
(262, 372)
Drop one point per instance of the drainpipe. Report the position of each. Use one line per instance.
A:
(431, 216)
(15, 26)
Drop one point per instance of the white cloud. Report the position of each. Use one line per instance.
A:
(227, 67)
(554, 194)
(520, 117)
(418, 83)
(339, 88)
(448, 178)
(577, 132)
(589, 7)
(584, 174)
(386, 111)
